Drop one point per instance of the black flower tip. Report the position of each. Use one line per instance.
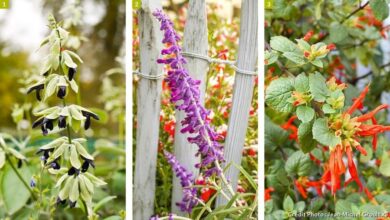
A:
(71, 73)
(55, 165)
(72, 204)
(46, 125)
(62, 122)
(61, 92)
(73, 171)
(86, 164)
(37, 123)
(37, 89)
(20, 163)
(60, 202)
(88, 116)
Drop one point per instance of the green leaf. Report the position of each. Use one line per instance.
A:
(294, 57)
(337, 33)
(250, 179)
(271, 57)
(305, 137)
(305, 113)
(103, 202)
(278, 93)
(343, 206)
(274, 135)
(318, 87)
(316, 204)
(317, 63)
(384, 168)
(323, 135)
(301, 83)
(303, 44)
(327, 109)
(283, 44)
(300, 206)
(288, 204)
(298, 163)
(13, 192)
(380, 9)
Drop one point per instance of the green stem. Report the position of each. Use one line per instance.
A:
(20, 177)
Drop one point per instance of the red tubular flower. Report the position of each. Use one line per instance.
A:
(289, 126)
(267, 193)
(350, 130)
(331, 46)
(303, 183)
(308, 35)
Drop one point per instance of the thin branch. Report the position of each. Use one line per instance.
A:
(354, 80)
(348, 16)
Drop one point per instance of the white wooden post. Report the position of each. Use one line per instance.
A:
(195, 41)
(148, 113)
(242, 91)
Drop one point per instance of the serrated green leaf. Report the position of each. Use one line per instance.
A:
(288, 204)
(295, 57)
(298, 163)
(384, 168)
(305, 113)
(300, 206)
(305, 137)
(271, 57)
(380, 9)
(278, 93)
(283, 44)
(301, 83)
(327, 109)
(317, 63)
(337, 33)
(318, 87)
(323, 135)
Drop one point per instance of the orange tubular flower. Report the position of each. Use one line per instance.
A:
(350, 130)
(289, 126)
(303, 183)
(267, 193)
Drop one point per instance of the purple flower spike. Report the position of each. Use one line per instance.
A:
(185, 94)
(189, 200)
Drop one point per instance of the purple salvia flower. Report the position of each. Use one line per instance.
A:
(189, 200)
(185, 94)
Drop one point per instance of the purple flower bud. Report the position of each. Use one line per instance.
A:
(189, 200)
(32, 183)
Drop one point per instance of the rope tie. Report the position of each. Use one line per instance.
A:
(202, 57)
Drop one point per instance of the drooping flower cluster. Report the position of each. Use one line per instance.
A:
(186, 96)
(64, 156)
(189, 200)
(349, 129)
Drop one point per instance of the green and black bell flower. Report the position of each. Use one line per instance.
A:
(88, 116)
(37, 88)
(71, 73)
(62, 121)
(61, 92)
(86, 164)
(45, 123)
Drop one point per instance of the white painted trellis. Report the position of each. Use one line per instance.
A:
(149, 95)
